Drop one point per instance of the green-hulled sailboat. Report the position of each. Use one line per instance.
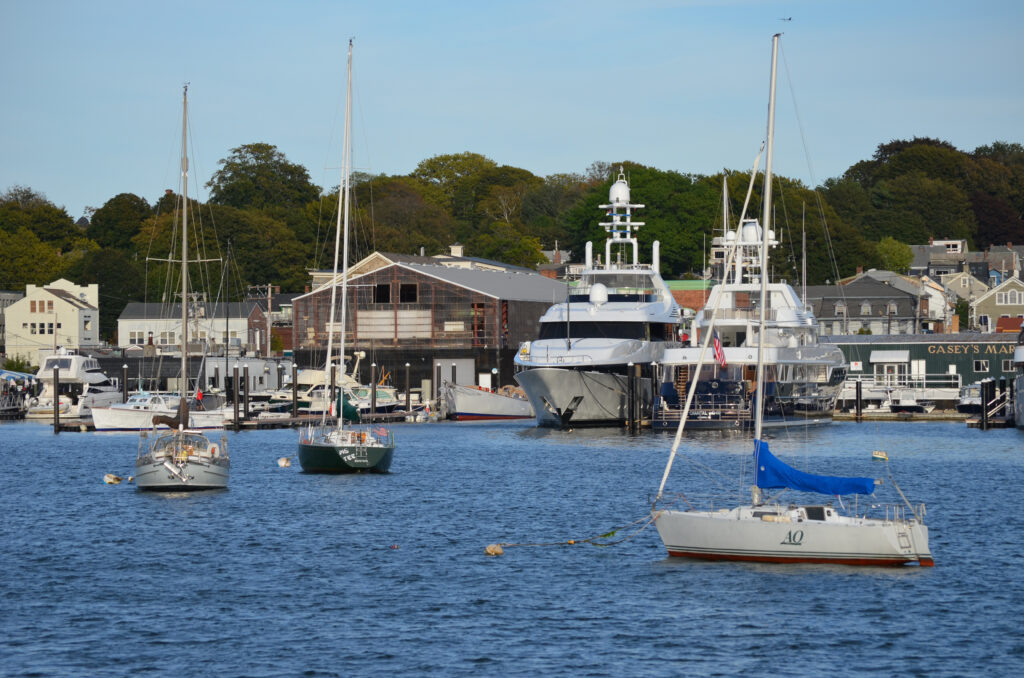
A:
(337, 448)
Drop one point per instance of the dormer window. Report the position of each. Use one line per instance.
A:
(891, 309)
(840, 310)
(865, 308)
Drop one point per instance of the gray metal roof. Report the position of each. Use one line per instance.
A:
(509, 285)
(137, 310)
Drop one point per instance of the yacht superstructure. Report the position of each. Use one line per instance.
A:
(803, 377)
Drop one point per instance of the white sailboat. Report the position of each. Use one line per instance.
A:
(768, 531)
(337, 448)
(181, 458)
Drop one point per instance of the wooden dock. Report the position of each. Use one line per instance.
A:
(993, 422)
(257, 423)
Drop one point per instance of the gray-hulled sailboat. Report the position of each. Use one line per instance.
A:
(181, 459)
(337, 448)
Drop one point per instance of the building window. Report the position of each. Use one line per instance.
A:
(981, 366)
(88, 326)
(382, 293)
(1008, 366)
(983, 320)
(49, 305)
(963, 281)
(407, 293)
(892, 309)
(865, 308)
(1010, 298)
(32, 307)
(49, 328)
(32, 328)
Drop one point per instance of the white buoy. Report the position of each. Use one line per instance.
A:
(284, 462)
(111, 479)
(494, 550)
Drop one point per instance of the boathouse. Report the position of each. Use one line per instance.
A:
(466, 315)
(925, 366)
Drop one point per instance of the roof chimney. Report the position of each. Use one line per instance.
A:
(860, 269)
(456, 250)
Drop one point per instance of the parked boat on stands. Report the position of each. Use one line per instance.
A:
(83, 387)
(470, 403)
(181, 458)
(620, 315)
(768, 530)
(338, 447)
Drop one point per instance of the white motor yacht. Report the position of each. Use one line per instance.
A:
(619, 316)
(83, 387)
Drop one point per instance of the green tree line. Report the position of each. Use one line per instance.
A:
(278, 224)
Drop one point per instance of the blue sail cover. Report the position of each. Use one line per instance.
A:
(770, 473)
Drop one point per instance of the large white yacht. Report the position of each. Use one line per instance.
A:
(619, 314)
(802, 379)
(83, 387)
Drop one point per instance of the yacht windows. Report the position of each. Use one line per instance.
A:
(599, 330)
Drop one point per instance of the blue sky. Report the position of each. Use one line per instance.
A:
(92, 89)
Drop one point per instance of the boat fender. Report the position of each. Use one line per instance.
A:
(34, 402)
(213, 450)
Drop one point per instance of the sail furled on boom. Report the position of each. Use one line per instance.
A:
(770, 473)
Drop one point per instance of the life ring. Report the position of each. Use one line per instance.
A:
(714, 384)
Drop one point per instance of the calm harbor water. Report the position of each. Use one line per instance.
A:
(286, 574)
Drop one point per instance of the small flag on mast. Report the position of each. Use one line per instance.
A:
(719, 353)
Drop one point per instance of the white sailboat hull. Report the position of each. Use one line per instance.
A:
(763, 534)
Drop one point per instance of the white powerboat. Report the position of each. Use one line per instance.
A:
(82, 383)
(619, 316)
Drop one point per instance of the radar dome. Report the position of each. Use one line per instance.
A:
(598, 294)
(619, 192)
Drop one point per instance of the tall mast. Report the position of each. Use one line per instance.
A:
(341, 226)
(765, 224)
(346, 186)
(184, 245)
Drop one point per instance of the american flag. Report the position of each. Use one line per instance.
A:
(719, 353)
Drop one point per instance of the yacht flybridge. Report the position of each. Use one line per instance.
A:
(803, 377)
(620, 315)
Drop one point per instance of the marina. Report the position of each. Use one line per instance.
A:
(290, 592)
